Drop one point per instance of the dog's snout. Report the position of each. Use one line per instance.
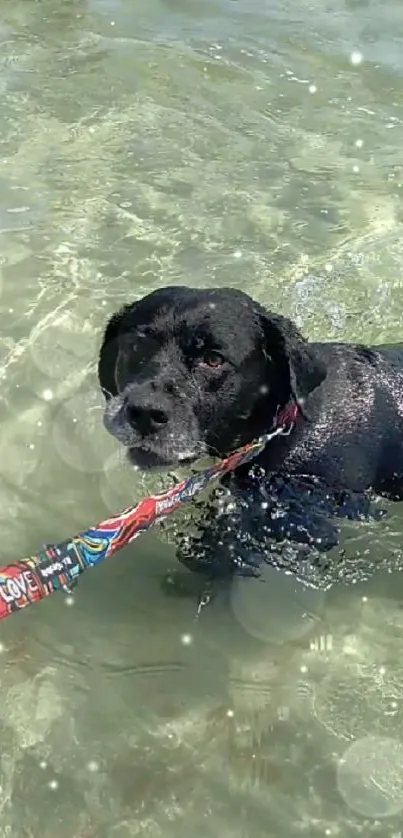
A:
(144, 418)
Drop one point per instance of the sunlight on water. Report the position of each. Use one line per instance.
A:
(231, 143)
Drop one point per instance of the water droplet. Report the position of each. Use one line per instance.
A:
(93, 766)
(356, 57)
(186, 639)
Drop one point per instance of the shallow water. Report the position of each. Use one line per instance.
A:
(257, 144)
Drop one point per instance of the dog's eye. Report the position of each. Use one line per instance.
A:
(212, 359)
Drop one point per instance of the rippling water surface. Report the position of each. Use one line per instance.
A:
(255, 143)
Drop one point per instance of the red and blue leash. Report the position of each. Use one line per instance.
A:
(57, 567)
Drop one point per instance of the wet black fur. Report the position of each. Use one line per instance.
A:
(164, 402)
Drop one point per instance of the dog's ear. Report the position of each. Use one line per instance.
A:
(109, 351)
(292, 355)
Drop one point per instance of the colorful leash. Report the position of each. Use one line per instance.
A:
(57, 567)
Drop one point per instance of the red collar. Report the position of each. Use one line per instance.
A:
(287, 417)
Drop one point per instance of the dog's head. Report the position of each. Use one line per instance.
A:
(191, 372)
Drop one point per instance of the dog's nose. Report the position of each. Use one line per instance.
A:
(144, 418)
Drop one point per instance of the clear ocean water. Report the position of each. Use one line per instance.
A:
(253, 143)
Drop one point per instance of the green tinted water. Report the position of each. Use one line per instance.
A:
(257, 144)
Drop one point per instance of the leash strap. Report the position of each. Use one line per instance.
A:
(58, 566)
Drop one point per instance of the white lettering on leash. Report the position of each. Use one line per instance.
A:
(165, 503)
(20, 586)
(56, 567)
(181, 496)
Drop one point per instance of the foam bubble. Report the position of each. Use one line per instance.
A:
(370, 776)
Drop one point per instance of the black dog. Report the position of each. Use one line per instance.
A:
(188, 372)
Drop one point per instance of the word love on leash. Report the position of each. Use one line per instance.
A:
(15, 588)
